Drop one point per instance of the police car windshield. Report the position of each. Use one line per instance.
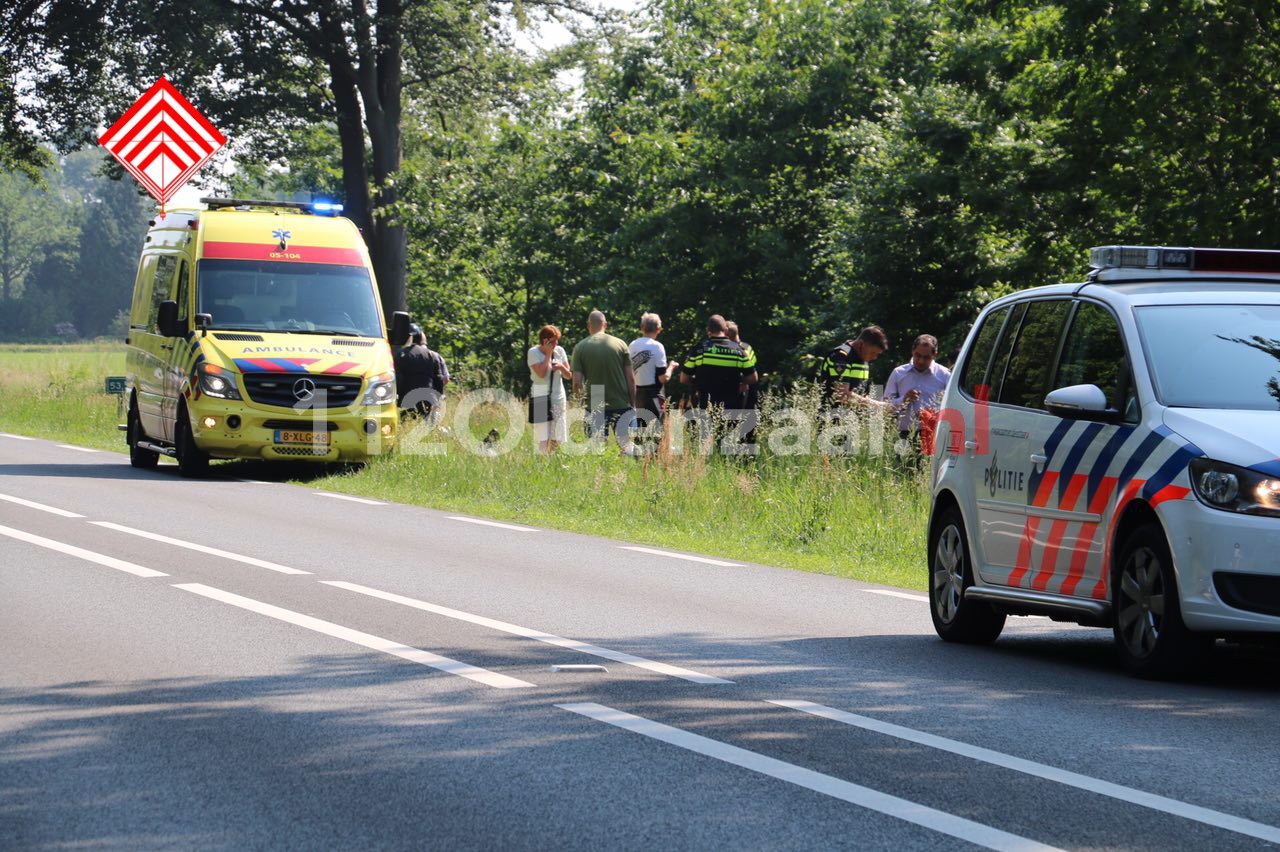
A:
(1214, 356)
(272, 295)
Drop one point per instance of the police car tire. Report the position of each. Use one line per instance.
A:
(1152, 645)
(950, 573)
(191, 461)
(138, 457)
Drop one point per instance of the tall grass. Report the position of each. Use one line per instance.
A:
(858, 515)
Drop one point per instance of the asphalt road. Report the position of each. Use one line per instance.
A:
(243, 665)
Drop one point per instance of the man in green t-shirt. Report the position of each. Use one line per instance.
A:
(602, 370)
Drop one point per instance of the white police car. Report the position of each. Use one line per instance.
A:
(1108, 454)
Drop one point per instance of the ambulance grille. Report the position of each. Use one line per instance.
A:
(278, 389)
(339, 342)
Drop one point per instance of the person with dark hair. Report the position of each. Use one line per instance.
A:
(917, 384)
(421, 374)
(719, 368)
(845, 374)
(750, 400)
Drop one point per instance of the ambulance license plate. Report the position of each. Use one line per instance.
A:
(283, 437)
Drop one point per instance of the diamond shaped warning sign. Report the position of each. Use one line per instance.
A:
(162, 140)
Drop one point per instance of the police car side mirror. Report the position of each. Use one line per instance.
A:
(399, 331)
(1081, 402)
(167, 319)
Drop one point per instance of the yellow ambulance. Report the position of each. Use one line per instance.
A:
(256, 332)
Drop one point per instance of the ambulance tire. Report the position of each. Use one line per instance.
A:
(1151, 637)
(138, 457)
(955, 618)
(191, 461)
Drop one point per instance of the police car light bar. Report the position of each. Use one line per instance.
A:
(1190, 259)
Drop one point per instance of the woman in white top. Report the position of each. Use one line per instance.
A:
(548, 368)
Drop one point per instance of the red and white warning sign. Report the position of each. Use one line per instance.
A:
(162, 140)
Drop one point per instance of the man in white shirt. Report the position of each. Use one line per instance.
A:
(916, 384)
(649, 361)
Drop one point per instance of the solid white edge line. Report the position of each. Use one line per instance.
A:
(675, 555)
(550, 639)
(837, 788)
(31, 504)
(16, 437)
(366, 501)
(904, 595)
(1089, 784)
(81, 553)
(78, 449)
(485, 523)
(200, 548)
(367, 640)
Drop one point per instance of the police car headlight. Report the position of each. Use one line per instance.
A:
(381, 390)
(217, 382)
(1233, 488)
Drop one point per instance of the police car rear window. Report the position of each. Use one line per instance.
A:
(1213, 356)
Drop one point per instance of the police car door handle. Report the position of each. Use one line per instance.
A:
(1038, 459)
(970, 446)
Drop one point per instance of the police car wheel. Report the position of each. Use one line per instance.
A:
(1147, 618)
(138, 457)
(950, 573)
(191, 461)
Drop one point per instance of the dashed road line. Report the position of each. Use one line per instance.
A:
(81, 553)
(31, 504)
(367, 502)
(367, 640)
(78, 449)
(1239, 825)
(548, 638)
(906, 596)
(837, 788)
(485, 523)
(16, 437)
(674, 555)
(200, 548)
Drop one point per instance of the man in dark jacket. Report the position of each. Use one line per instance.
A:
(421, 374)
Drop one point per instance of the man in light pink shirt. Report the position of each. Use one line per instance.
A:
(916, 384)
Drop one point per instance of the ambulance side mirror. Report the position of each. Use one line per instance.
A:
(167, 319)
(399, 332)
(1081, 402)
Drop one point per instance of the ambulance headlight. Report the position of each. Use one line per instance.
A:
(1233, 488)
(381, 390)
(217, 382)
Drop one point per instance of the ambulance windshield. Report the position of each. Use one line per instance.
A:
(306, 298)
(1214, 356)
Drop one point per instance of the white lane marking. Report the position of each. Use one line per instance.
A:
(1207, 816)
(200, 548)
(550, 639)
(31, 504)
(78, 449)
(255, 482)
(81, 553)
(515, 527)
(904, 595)
(838, 788)
(367, 640)
(15, 437)
(349, 497)
(654, 552)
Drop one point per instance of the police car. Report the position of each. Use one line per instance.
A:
(1108, 455)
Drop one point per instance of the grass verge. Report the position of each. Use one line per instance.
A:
(858, 516)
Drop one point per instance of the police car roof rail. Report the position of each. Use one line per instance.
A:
(213, 203)
(1184, 259)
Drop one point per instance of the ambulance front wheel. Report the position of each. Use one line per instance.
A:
(1147, 617)
(191, 460)
(138, 457)
(956, 618)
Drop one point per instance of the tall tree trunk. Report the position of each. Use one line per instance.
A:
(389, 245)
(355, 174)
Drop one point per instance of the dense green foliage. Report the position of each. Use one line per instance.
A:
(807, 167)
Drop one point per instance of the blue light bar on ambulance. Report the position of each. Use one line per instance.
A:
(1190, 259)
(330, 207)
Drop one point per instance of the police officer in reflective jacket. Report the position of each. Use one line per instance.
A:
(845, 374)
